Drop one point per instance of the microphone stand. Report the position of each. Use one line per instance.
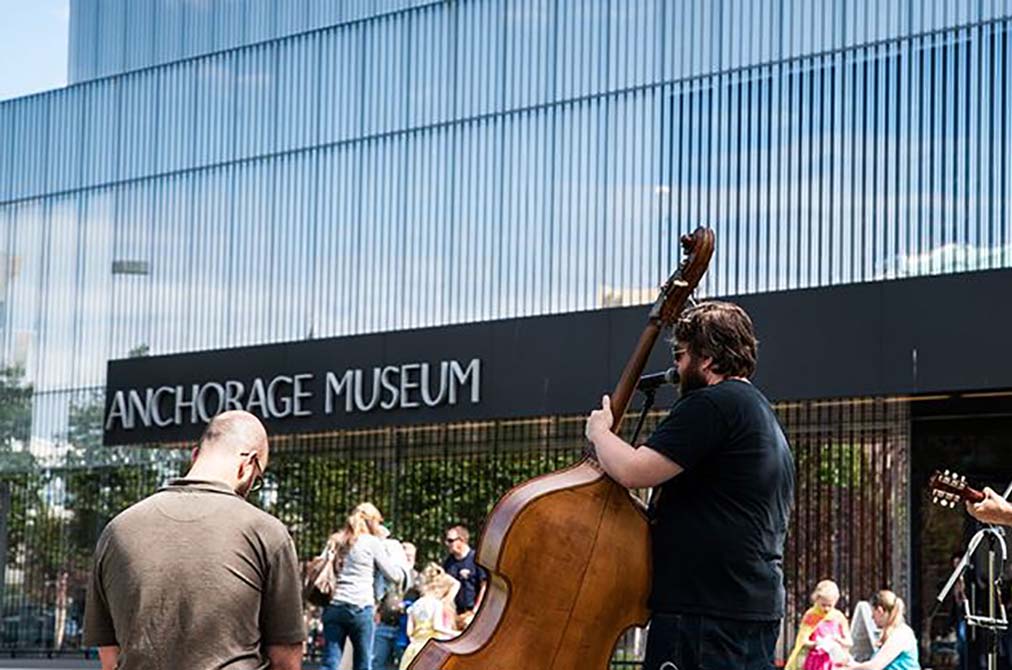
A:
(648, 403)
(995, 620)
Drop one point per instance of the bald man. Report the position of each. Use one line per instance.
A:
(194, 576)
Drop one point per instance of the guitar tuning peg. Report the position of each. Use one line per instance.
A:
(934, 500)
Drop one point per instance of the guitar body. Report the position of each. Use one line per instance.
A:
(572, 549)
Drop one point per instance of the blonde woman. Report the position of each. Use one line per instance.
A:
(898, 643)
(431, 616)
(823, 638)
(358, 551)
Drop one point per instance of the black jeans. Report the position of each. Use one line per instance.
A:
(694, 642)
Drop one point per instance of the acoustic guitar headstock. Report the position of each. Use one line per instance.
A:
(949, 488)
(697, 249)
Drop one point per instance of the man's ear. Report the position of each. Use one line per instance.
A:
(194, 453)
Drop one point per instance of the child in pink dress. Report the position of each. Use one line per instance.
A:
(823, 640)
(432, 615)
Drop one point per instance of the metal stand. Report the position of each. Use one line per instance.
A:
(648, 404)
(995, 620)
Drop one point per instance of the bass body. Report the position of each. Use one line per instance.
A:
(568, 556)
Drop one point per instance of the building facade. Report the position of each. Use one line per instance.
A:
(232, 173)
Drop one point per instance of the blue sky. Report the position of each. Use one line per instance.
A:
(33, 46)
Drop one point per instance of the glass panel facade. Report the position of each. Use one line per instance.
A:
(294, 188)
(451, 64)
(109, 37)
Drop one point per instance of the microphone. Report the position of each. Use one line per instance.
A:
(652, 381)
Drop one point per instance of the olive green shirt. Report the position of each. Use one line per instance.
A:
(194, 577)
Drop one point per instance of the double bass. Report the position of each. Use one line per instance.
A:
(563, 604)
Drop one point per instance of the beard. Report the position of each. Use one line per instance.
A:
(693, 378)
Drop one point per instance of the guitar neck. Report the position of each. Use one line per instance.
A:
(674, 294)
(949, 488)
(630, 376)
(973, 495)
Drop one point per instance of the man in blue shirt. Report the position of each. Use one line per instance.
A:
(461, 565)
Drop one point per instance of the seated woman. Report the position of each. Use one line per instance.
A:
(823, 639)
(898, 643)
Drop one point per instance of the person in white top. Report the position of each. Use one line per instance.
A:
(359, 551)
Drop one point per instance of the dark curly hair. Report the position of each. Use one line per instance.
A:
(721, 331)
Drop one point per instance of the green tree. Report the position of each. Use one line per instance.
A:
(15, 419)
(17, 465)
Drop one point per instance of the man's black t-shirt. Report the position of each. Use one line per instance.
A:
(718, 527)
(470, 575)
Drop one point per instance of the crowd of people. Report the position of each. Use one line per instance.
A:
(382, 610)
(387, 610)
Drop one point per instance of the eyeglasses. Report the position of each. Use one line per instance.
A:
(450, 540)
(258, 479)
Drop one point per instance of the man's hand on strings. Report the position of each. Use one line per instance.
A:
(600, 420)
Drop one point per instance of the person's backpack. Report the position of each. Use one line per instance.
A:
(391, 605)
(320, 578)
